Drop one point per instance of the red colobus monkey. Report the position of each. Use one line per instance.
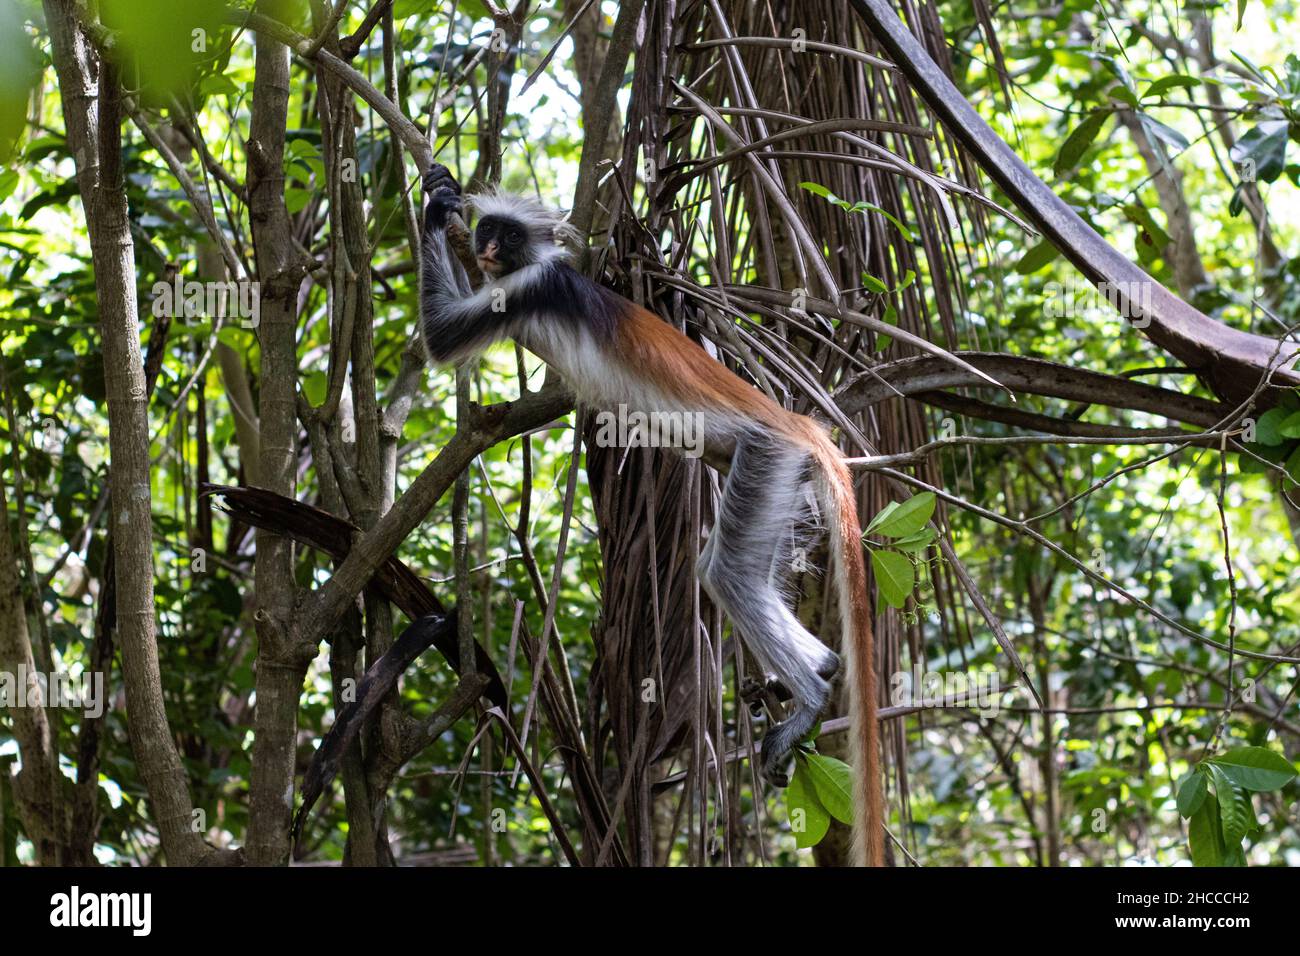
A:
(611, 351)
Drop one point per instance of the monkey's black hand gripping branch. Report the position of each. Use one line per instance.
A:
(437, 177)
(375, 685)
(442, 194)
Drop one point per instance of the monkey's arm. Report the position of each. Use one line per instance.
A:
(447, 324)
(455, 322)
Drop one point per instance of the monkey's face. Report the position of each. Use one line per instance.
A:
(501, 245)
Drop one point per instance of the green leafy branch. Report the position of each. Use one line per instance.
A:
(1274, 439)
(895, 565)
(890, 314)
(1219, 821)
(858, 207)
(821, 788)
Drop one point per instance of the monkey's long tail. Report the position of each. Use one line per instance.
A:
(858, 646)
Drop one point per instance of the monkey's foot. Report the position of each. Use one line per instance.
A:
(777, 758)
(752, 690)
(767, 692)
(776, 769)
(780, 741)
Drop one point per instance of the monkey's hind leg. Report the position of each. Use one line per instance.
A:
(743, 568)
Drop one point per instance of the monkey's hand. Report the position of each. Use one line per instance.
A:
(442, 195)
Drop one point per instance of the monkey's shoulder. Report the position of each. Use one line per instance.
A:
(564, 293)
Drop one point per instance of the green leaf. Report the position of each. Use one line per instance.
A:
(1248, 807)
(1231, 814)
(1251, 68)
(908, 518)
(1204, 835)
(218, 84)
(237, 338)
(1293, 464)
(895, 574)
(1037, 257)
(42, 146)
(1141, 217)
(1268, 429)
(295, 199)
(1166, 83)
(916, 543)
(809, 820)
(8, 183)
(864, 207)
(1241, 12)
(314, 386)
(1260, 154)
(833, 781)
(1290, 427)
(301, 149)
(1192, 790)
(817, 189)
(861, 206)
(1255, 768)
(890, 316)
(1080, 138)
(1122, 93)
(872, 284)
(881, 515)
(1237, 203)
(1167, 134)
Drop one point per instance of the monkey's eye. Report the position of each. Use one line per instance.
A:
(514, 237)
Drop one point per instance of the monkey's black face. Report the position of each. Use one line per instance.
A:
(501, 245)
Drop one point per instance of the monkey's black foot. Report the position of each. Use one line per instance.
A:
(777, 747)
(777, 778)
(776, 766)
(445, 199)
(442, 198)
(766, 692)
(780, 741)
(754, 690)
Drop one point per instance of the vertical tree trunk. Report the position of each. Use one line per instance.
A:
(282, 658)
(92, 114)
